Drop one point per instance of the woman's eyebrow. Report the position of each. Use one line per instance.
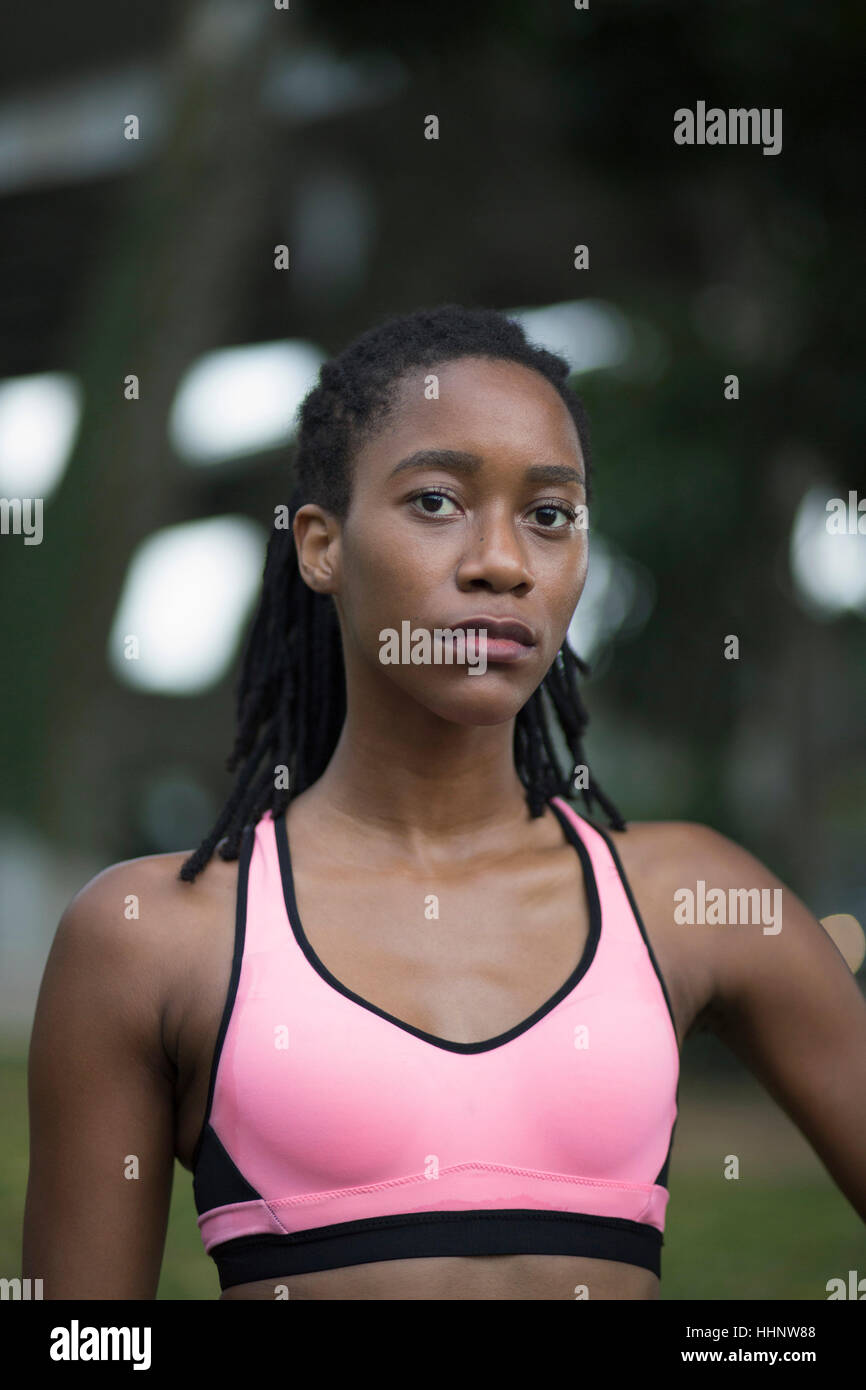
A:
(458, 461)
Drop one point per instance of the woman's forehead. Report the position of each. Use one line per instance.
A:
(494, 405)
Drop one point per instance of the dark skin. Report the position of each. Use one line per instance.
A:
(420, 796)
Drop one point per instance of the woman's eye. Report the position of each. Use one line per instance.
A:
(551, 509)
(435, 498)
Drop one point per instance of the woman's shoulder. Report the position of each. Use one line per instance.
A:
(669, 864)
(725, 911)
(674, 870)
(138, 919)
(670, 851)
(149, 879)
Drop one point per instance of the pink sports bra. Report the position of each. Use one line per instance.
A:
(337, 1135)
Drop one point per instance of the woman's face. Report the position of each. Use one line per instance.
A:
(483, 529)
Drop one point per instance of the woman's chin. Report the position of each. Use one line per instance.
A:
(481, 706)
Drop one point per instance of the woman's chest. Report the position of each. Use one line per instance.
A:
(458, 959)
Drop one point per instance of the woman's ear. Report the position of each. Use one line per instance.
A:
(317, 542)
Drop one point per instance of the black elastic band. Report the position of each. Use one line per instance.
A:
(425, 1234)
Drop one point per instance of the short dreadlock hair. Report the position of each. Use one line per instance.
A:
(291, 696)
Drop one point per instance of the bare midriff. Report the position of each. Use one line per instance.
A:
(461, 1277)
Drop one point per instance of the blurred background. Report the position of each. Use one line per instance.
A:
(152, 358)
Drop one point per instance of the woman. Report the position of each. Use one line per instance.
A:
(411, 1031)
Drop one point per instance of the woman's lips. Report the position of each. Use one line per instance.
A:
(510, 628)
(504, 649)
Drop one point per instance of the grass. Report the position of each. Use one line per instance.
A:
(764, 1240)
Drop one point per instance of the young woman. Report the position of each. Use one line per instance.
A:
(416, 1029)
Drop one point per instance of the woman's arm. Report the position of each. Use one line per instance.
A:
(101, 1104)
(785, 1002)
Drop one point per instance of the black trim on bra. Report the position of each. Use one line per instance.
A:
(486, 1045)
(246, 850)
(217, 1181)
(434, 1234)
(662, 1178)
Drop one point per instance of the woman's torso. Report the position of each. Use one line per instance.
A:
(527, 906)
